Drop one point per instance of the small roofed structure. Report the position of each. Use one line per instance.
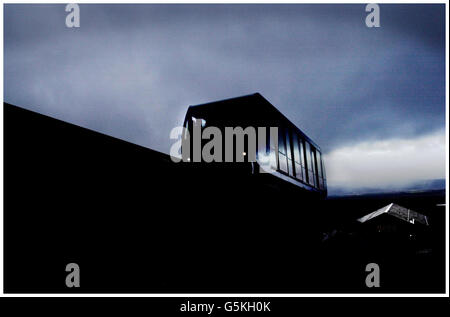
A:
(395, 231)
(398, 212)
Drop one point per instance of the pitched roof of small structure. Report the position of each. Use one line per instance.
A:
(399, 212)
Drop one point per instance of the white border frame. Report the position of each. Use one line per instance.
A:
(216, 295)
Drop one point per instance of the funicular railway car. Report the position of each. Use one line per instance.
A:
(295, 161)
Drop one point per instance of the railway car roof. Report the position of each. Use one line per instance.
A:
(249, 106)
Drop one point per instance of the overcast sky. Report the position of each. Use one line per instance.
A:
(131, 71)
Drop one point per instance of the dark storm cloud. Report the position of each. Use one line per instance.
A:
(131, 71)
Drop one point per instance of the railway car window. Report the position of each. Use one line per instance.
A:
(273, 153)
(307, 155)
(263, 150)
(282, 159)
(309, 163)
(324, 175)
(314, 167)
(319, 169)
(297, 158)
(281, 143)
(289, 154)
(302, 159)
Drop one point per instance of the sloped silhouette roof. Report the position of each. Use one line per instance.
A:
(399, 212)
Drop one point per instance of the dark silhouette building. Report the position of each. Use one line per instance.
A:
(135, 221)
